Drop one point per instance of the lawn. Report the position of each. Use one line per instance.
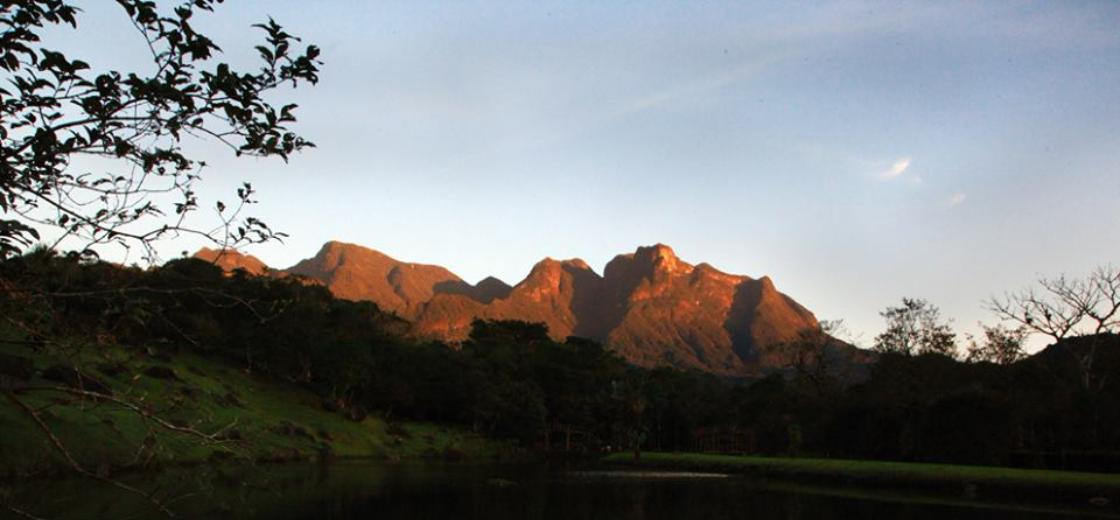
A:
(902, 474)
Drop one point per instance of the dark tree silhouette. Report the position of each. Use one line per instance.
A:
(57, 108)
(999, 345)
(1065, 306)
(1068, 307)
(915, 327)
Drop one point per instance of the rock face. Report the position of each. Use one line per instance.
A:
(664, 309)
(649, 306)
(556, 293)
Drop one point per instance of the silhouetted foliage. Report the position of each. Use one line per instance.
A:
(57, 108)
(999, 345)
(1068, 307)
(915, 328)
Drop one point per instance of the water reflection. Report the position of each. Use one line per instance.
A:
(359, 490)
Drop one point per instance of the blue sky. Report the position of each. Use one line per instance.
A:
(855, 152)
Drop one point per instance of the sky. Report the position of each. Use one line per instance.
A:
(856, 152)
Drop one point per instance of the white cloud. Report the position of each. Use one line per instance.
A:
(896, 170)
(956, 199)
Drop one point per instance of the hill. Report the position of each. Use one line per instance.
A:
(256, 418)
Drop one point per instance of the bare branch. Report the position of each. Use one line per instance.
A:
(61, 448)
(21, 513)
(143, 412)
(1065, 306)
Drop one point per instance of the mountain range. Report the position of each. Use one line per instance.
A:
(649, 306)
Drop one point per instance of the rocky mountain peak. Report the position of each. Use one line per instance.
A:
(231, 259)
(335, 253)
(576, 263)
(655, 263)
(491, 281)
(549, 267)
(649, 306)
(355, 272)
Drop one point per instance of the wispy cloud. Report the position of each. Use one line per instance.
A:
(706, 84)
(896, 169)
(955, 199)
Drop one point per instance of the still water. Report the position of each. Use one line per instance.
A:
(377, 490)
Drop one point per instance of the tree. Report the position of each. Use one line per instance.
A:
(55, 109)
(915, 328)
(1065, 306)
(812, 353)
(1000, 345)
(1068, 307)
(99, 156)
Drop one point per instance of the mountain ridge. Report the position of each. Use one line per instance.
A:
(650, 306)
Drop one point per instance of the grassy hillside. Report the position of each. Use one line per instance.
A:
(258, 418)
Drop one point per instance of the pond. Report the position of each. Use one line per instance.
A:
(366, 489)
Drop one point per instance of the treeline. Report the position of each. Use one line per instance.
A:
(511, 381)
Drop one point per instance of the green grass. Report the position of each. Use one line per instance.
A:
(271, 420)
(880, 472)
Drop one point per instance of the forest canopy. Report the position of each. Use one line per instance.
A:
(510, 380)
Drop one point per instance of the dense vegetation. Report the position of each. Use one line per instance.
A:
(511, 381)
